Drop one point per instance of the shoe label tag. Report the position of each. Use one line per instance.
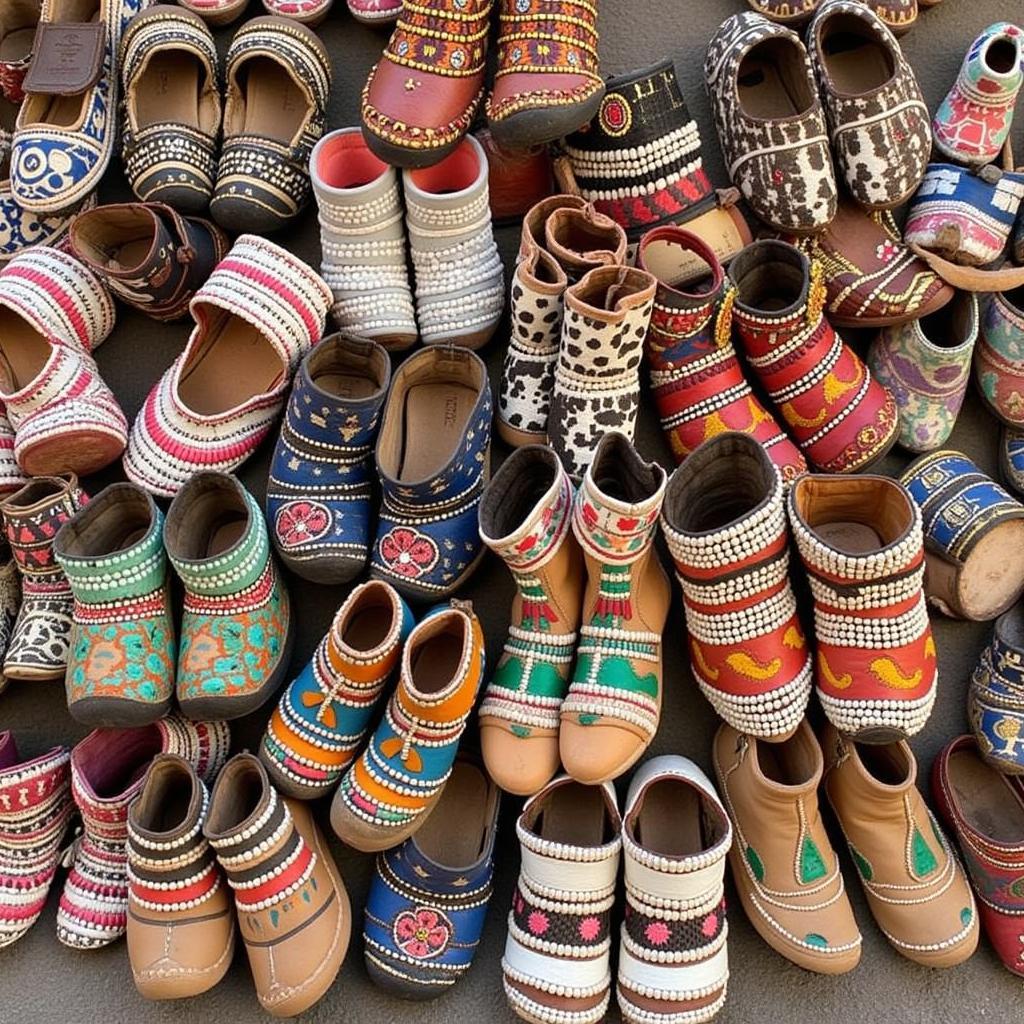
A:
(67, 58)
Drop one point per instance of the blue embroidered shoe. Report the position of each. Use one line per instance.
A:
(995, 700)
(318, 495)
(432, 454)
(428, 899)
(1011, 459)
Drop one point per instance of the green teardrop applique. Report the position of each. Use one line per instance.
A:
(965, 916)
(812, 865)
(618, 672)
(755, 863)
(921, 856)
(814, 939)
(521, 731)
(863, 864)
(588, 719)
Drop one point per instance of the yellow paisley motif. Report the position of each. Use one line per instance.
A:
(714, 424)
(816, 293)
(889, 674)
(929, 647)
(745, 665)
(792, 416)
(723, 325)
(705, 668)
(794, 639)
(839, 682)
(836, 388)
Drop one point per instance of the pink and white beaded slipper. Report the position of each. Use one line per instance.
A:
(216, 13)
(375, 12)
(306, 12)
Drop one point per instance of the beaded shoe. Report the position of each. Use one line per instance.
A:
(914, 884)
(898, 16)
(613, 706)
(236, 627)
(428, 900)
(841, 417)
(1011, 459)
(181, 924)
(861, 543)
(724, 520)
(107, 773)
(375, 12)
(699, 386)
(256, 316)
(321, 720)
(216, 13)
(792, 13)
(999, 365)
(387, 794)
(318, 494)
(556, 966)
(278, 863)
(122, 651)
(35, 811)
(39, 645)
(303, 12)
(433, 451)
(18, 23)
(525, 519)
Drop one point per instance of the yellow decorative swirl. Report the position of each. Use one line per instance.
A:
(836, 388)
(698, 657)
(842, 682)
(816, 294)
(794, 639)
(890, 674)
(714, 424)
(929, 647)
(792, 416)
(745, 665)
(723, 325)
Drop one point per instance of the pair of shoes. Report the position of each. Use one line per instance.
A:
(579, 680)
(257, 315)
(363, 224)
(851, 87)
(236, 627)
(673, 960)
(269, 850)
(420, 99)
(278, 78)
(897, 15)
(787, 874)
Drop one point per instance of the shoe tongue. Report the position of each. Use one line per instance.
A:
(8, 750)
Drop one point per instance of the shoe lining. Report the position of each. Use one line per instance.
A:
(23, 351)
(275, 106)
(168, 90)
(988, 802)
(771, 81)
(856, 62)
(456, 831)
(573, 814)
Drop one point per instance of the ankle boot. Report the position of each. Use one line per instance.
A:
(611, 712)
(562, 238)
(724, 519)
(525, 519)
(698, 384)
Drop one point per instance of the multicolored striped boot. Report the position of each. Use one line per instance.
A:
(322, 718)
(613, 706)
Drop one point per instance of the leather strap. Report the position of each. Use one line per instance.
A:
(67, 58)
(972, 279)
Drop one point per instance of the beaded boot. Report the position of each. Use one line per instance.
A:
(724, 519)
(698, 384)
(321, 719)
(460, 287)
(597, 376)
(35, 810)
(362, 237)
(862, 545)
(107, 772)
(42, 632)
(525, 519)
(122, 652)
(181, 924)
(613, 706)
(562, 238)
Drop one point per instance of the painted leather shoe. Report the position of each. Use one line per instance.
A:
(673, 963)
(322, 718)
(543, 92)
(18, 23)
(995, 699)
(428, 900)
(913, 881)
(318, 494)
(388, 793)
(724, 520)
(1011, 459)
(39, 645)
(293, 911)
(877, 118)
(432, 454)
(597, 374)
(169, 138)
(460, 282)
(898, 16)
(525, 519)
(926, 366)
(974, 120)
(556, 966)
(181, 924)
(236, 627)
(699, 386)
(107, 773)
(985, 810)
(613, 706)
(65, 417)
(999, 365)
(122, 649)
(420, 98)
(273, 64)
(375, 12)
(783, 866)
(35, 811)
(840, 416)
(774, 137)
(791, 13)
(861, 543)
(256, 317)
(362, 239)
(149, 256)
(562, 238)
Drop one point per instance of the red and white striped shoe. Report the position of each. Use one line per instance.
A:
(258, 314)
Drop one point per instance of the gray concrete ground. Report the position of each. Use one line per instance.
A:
(42, 982)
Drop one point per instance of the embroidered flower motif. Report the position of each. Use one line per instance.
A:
(422, 933)
(300, 522)
(408, 552)
(537, 922)
(589, 929)
(710, 924)
(657, 933)
(777, 176)
(458, 59)
(887, 250)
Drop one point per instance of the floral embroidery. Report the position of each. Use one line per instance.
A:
(301, 522)
(538, 922)
(422, 933)
(408, 552)
(590, 928)
(710, 925)
(658, 933)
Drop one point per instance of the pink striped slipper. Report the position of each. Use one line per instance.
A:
(375, 12)
(258, 314)
(306, 12)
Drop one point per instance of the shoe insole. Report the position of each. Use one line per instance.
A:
(454, 833)
(575, 814)
(129, 255)
(17, 45)
(171, 811)
(436, 662)
(23, 350)
(275, 106)
(63, 111)
(785, 763)
(670, 821)
(763, 89)
(368, 628)
(856, 65)
(435, 421)
(225, 535)
(168, 91)
(853, 538)
(985, 798)
(346, 385)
